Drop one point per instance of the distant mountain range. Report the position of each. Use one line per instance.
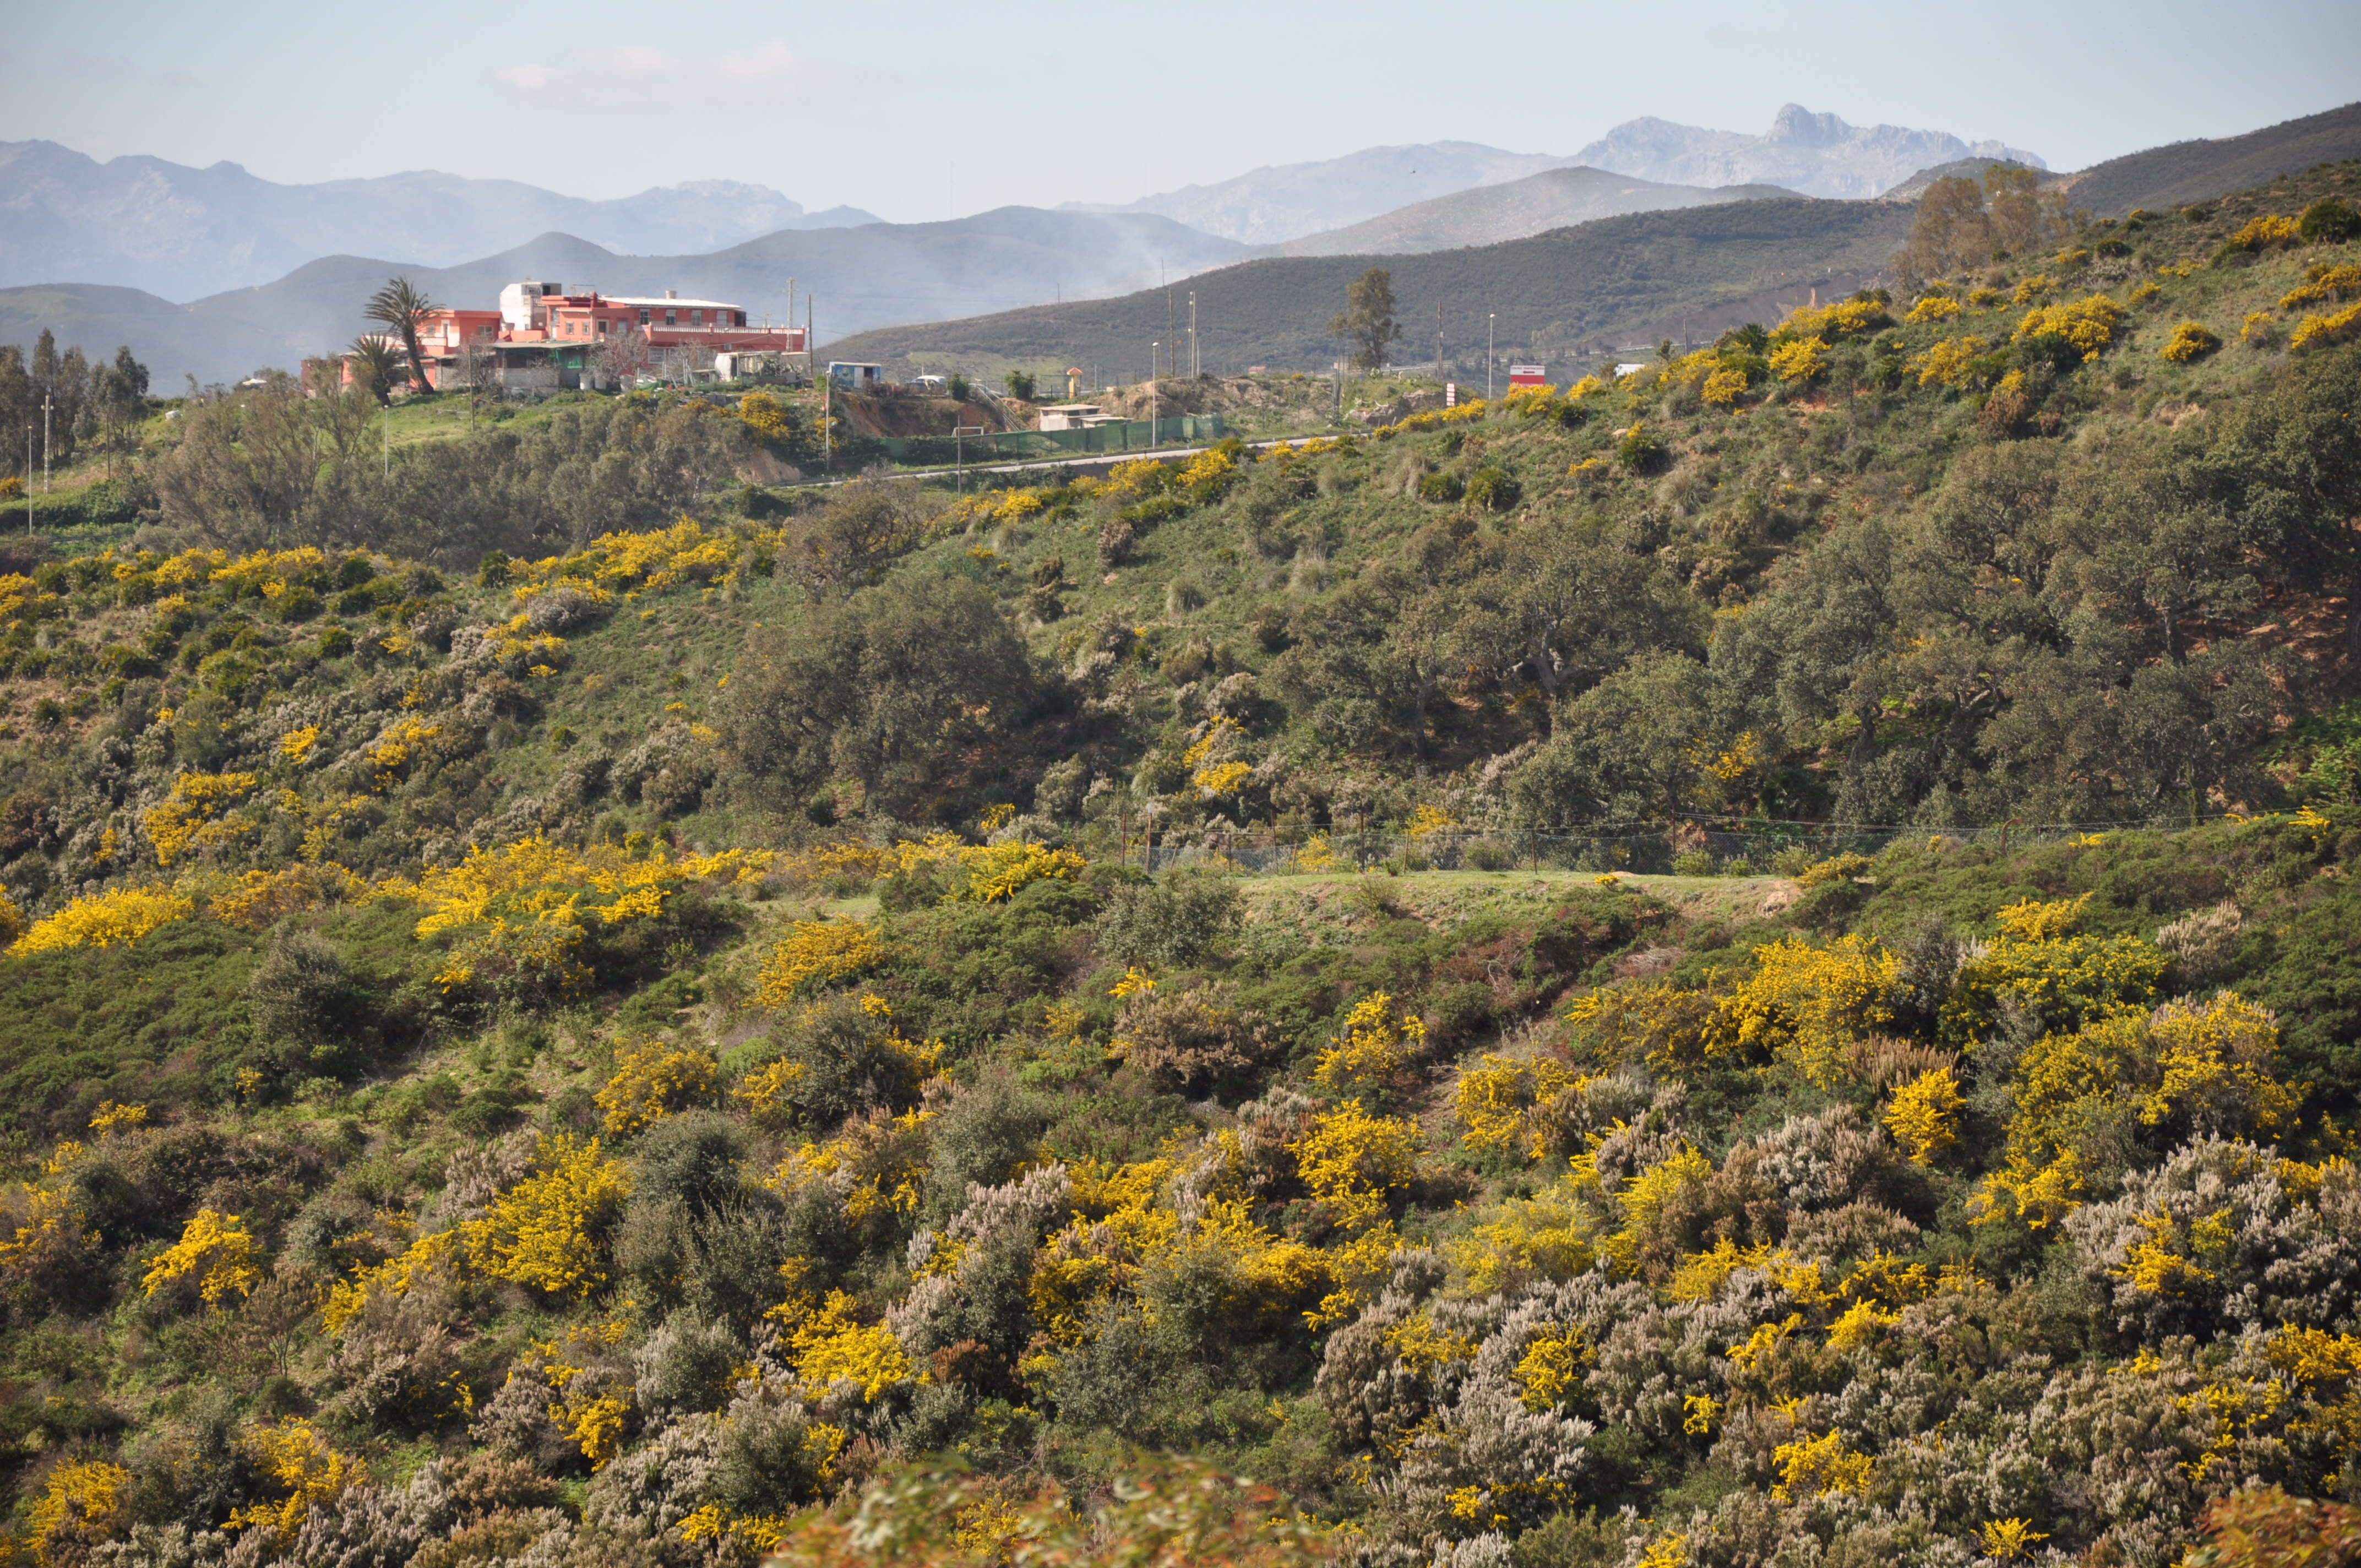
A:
(1568, 293)
(103, 250)
(1535, 204)
(1816, 155)
(866, 276)
(1812, 155)
(1284, 202)
(185, 233)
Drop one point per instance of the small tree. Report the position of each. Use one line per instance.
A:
(958, 388)
(1021, 385)
(375, 367)
(402, 306)
(624, 356)
(1367, 322)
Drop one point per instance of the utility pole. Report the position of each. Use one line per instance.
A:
(827, 391)
(45, 446)
(28, 480)
(1438, 340)
(1196, 364)
(1487, 356)
(1153, 401)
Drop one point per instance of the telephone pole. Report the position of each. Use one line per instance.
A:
(1438, 340)
(1196, 364)
(45, 446)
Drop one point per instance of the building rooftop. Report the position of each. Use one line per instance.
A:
(668, 303)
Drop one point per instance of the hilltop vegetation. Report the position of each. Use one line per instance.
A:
(1556, 294)
(545, 1030)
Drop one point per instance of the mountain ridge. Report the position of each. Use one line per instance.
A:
(1811, 154)
(1488, 214)
(185, 233)
(862, 277)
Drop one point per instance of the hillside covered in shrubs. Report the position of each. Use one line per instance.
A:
(1746, 962)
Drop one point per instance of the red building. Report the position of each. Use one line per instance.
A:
(545, 335)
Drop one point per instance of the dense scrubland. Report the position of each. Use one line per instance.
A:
(565, 1007)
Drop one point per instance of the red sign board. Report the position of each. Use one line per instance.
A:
(1528, 375)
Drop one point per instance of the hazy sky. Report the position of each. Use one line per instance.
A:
(918, 110)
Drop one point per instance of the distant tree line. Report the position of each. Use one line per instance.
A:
(87, 403)
(277, 467)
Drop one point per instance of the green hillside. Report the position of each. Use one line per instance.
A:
(1569, 293)
(2202, 170)
(1749, 963)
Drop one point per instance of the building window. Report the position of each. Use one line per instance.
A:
(697, 318)
(672, 318)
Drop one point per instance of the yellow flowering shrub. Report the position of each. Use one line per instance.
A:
(2323, 284)
(1924, 1114)
(2204, 1068)
(1551, 1369)
(2320, 331)
(2008, 1538)
(1809, 1467)
(550, 1229)
(2030, 290)
(816, 952)
(215, 1250)
(1208, 475)
(260, 900)
(2264, 233)
(2189, 341)
(1503, 1102)
(1932, 308)
(1355, 1162)
(521, 915)
(296, 1461)
(41, 1232)
(986, 873)
(765, 415)
(1723, 388)
(831, 1344)
(1667, 1026)
(80, 1504)
(189, 817)
(1433, 418)
(114, 917)
(1643, 1199)
(2088, 324)
(12, 919)
(625, 562)
(1376, 1043)
(1806, 1004)
(1804, 360)
(1841, 318)
(1948, 362)
(1551, 1234)
(652, 1080)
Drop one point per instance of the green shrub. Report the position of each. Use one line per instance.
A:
(2329, 222)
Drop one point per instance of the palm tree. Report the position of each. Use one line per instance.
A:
(374, 366)
(403, 305)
